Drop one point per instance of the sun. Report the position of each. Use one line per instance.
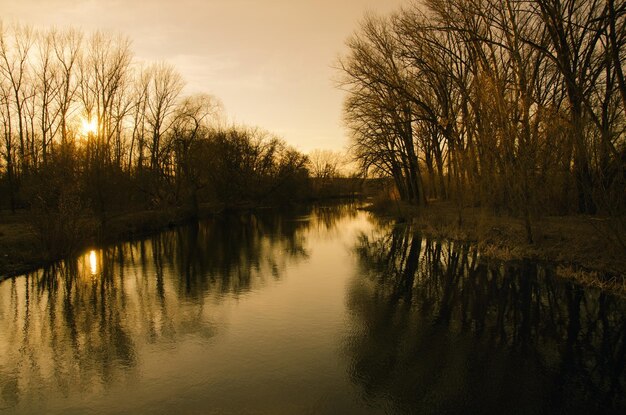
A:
(89, 127)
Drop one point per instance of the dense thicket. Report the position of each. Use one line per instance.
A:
(84, 127)
(507, 104)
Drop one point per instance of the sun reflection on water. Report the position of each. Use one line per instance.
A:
(93, 262)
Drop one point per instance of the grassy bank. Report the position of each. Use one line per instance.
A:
(582, 248)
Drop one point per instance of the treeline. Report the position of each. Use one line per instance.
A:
(87, 129)
(511, 105)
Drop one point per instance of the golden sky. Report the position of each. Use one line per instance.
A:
(269, 61)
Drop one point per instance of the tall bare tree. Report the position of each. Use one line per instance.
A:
(67, 49)
(15, 48)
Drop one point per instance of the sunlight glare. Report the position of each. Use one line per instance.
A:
(89, 127)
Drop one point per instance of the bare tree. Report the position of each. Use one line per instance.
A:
(574, 28)
(67, 48)
(195, 116)
(164, 87)
(373, 73)
(105, 70)
(7, 138)
(14, 65)
(325, 164)
(49, 81)
(509, 101)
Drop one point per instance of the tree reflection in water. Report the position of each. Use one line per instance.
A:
(80, 325)
(437, 330)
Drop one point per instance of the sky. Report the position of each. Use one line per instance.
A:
(270, 62)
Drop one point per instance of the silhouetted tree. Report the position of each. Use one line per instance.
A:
(510, 105)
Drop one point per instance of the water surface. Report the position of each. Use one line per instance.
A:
(324, 310)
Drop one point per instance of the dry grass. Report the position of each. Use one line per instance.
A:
(614, 283)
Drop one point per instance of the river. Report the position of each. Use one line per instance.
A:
(321, 310)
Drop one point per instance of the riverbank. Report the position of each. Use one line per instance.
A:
(582, 248)
(21, 250)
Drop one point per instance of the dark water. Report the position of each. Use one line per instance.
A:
(320, 311)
